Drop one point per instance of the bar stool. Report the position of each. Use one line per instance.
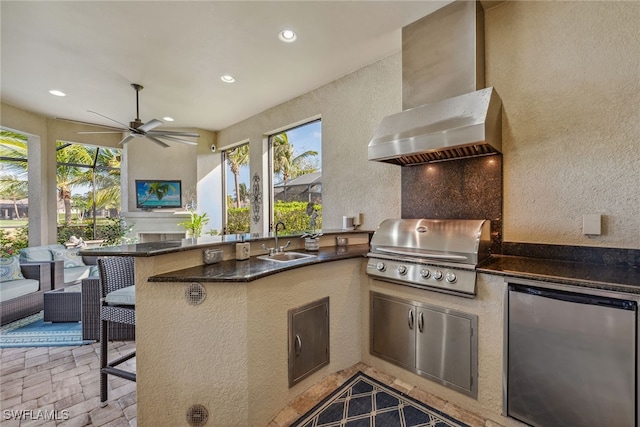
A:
(117, 305)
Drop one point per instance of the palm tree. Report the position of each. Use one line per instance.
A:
(13, 189)
(285, 163)
(70, 174)
(13, 152)
(106, 177)
(238, 157)
(244, 192)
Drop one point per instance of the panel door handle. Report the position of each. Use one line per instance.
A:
(410, 318)
(298, 345)
(421, 322)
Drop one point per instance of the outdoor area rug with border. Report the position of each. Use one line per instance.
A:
(32, 331)
(364, 401)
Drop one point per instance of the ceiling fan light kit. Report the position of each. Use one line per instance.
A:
(138, 129)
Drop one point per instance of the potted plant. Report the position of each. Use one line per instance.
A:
(312, 239)
(194, 226)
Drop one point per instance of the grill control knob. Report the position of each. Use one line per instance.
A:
(450, 277)
(402, 270)
(437, 275)
(381, 266)
(425, 273)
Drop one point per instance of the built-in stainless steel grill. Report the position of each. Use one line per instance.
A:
(440, 255)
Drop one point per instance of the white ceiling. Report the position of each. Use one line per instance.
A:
(178, 50)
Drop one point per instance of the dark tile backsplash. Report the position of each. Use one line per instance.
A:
(457, 189)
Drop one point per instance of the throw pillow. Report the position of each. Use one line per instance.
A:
(71, 257)
(10, 269)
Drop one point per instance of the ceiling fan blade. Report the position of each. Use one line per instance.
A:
(157, 141)
(93, 124)
(172, 138)
(174, 133)
(127, 139)
(115, 121)
(152, 124)
(107, 131)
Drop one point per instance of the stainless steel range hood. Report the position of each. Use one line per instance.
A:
(447, 113)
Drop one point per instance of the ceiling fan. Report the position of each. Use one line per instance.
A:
(138, 129)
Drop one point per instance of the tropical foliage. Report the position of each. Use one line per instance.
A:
(293, 214)
(10, 244)
(195, 224)
(13, 175)
(287, 165)
(237, 158)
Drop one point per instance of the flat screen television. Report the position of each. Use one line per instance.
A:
(158, 194)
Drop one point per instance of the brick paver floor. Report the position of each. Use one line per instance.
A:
(60, 386)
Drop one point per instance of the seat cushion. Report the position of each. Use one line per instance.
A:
(10, 269)
(70, 257)
(122, 296)
(17, 288)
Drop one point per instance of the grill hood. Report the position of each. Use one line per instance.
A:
(447, 113)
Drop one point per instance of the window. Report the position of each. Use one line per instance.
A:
(14, 196)
(88, 189)
(237, 188)
(296, 165)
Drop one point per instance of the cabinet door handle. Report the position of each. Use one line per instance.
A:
(410, 318)
(298, 345)
(420, 322)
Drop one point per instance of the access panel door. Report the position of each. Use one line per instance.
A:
(393, 330)
(445, 347)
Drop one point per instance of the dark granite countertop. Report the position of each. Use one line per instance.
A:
(584, 274)
(255, 268)
(171, 246)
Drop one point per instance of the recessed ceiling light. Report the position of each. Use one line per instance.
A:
(227, 78)
(57, 92)
(167, 119)
(287, 36)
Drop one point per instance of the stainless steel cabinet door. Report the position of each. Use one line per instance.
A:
(393, 331)
(444, 347)
(308, 339)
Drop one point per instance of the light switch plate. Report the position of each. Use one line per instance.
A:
(592, 224)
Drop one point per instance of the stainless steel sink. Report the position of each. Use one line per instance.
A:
(286, 256)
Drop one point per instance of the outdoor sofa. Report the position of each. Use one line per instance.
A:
(22, 286)
(67, 266)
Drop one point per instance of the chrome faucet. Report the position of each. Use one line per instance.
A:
(280, 249)
(277, 249)
(278, 224)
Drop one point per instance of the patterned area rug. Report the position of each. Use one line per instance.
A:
(364, 401)
(32, 331)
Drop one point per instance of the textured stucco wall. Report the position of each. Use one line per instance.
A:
(230, 352)
(350, 108)
(568, 74)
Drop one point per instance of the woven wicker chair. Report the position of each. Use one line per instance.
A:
(91, 302)
(115, 273)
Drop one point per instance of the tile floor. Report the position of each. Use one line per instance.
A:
(63, 382)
